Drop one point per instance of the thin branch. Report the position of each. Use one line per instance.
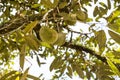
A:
(12, 26)
(77, 31)
(71, 37)
(45, 15)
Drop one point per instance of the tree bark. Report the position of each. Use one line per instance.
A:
(85, 49)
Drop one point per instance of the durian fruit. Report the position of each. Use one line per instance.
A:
(48, 35)
(61, 39)
(81, 16)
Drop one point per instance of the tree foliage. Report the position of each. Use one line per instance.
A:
(42, 28)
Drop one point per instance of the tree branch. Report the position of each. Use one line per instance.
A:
(85, 49)
(19, 22)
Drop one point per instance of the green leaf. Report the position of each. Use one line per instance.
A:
(22, 56)
(55, 3)
(33, 77)
(109, 4)
(45, 44)
(53, 64)
(36, 5)
(69, 71)
(102, 11)
(96, 11)
(13, 77)
(95, 1)
(79, 71)
(30, 26)
(115, 26)
(32, 42)
(62, 70)
(57, 62)
(113, 67)
(113, 15)
(103, 4)
(62, 5)
(24, 76)
(101, 40)
(115, 36)
(76, 67)
(47, 4)
(106, 78)
(7, 75)
(38, 61)
(7, 11)
(115, 60)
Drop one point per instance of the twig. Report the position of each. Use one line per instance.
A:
(44, 17)
(71, 37)
(78, 32)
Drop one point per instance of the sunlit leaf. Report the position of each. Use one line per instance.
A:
(36, 5)
(17, 78)
(45, 44)
(113, 15)
(7, 75)
(14, 77)
(113, 67)
(30, 26)
(116, 60)
(115, 36)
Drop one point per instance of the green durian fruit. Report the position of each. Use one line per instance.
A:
(61, 39)
(48, 35)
